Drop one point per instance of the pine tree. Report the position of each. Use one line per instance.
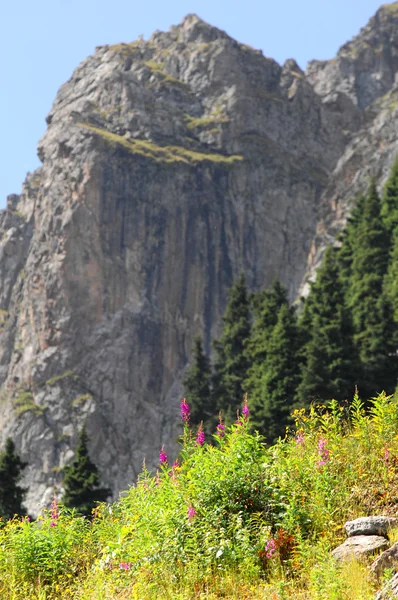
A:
(266, 307)
(81, 482)
(11, 494)
(331, 367)
(197, 388)
(231, 360)
(280, 378)
(374, 328)
(389, 201)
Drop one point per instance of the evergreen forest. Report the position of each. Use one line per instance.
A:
(341, 338)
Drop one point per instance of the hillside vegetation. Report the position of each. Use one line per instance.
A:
(231, 518)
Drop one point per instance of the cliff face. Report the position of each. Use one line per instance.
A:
(169, 166)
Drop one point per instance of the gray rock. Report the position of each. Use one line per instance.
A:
(387, 560)
(374, 525)
(389, 591)
(170, 166)
(359, 545)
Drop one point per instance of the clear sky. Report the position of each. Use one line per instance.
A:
(42, 41)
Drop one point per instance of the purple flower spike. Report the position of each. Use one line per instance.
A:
(200, 436)
(270, 548)
(220, 431)
(245, 409)
(300, 438)
(191, 512)
(323, 452)
(185, 411)
(163, 457)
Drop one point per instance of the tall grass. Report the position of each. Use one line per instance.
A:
(230, 519)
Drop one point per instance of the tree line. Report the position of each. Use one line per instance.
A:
(345, 335)
(81, 483)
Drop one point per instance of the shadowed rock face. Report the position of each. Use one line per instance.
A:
(169, 166)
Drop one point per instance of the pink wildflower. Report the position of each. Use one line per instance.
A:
(323, 452)
(125, 565)
(185, 412)
(54, 512)
(220, 431)
(191, 512)
(162, 456)
(300, 438)
(245, 409)
(270, 548)
(386, 455)
(200, 436)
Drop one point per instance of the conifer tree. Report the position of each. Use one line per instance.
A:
(280, 377)
(391, 282)
(197, 388)
(331, 366)
(389, 201)
(266, 307)
(374, 328)
(82, 481)
(11, 494)
(231, 360)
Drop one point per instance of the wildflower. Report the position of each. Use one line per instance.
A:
(54, 512)
(162, 456)
(191, 512)
(200, 436)
(185, 412)
(323, 452)
(270, 548)
(386, 455)
(300, 438)
(245, 409)
(220, 427)
(125, 565)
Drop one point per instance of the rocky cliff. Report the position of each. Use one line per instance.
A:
(169, 166)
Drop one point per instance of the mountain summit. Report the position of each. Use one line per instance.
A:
(169, 167)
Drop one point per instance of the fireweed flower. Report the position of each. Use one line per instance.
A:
(323, 452)
(54, 512)
(162, 457)
(200, 436)
(386, 455)
(125, 565)
(220, 431)
(270, 548)
(185, 412)
(245, 409)
(191, 512)
(300, 438)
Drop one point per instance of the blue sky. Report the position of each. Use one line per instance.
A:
(41, 42)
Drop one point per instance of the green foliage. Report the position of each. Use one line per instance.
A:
(197, 388)
(272, 375)
(82, 481)
(231, 360)
(161, 154)
(11, 494)
(206, 525)
(330, 360)
(66, 375)
(280, 377)
(24, 402)
(389, 201)
(374, 329)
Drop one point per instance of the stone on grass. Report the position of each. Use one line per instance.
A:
(387, 560)
(389, 591)
(379, 525)
(359, 545)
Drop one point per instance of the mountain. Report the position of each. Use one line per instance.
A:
(170, 166)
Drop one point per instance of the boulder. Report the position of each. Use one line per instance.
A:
(389, 591)
(378, 525)
(359, 545)
(387, 560)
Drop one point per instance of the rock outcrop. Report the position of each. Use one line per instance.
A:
(169, 166)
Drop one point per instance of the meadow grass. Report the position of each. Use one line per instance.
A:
(231, 518)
